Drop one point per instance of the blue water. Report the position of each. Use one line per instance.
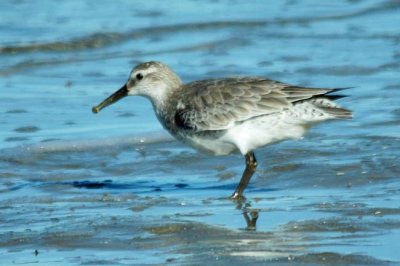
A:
(115, 188)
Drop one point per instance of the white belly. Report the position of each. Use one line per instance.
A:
(248, 136)
(264, 130)
(214, 146)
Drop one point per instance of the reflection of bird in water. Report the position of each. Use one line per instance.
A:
(222, 116)
(251, 219)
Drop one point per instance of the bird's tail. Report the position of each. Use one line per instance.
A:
(337, 111)
(326, 103)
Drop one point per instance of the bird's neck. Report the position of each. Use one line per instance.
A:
(161, 100)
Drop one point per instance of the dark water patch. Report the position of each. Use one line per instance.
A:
(27, 129)
(68, 83)
(94, 74)
(50, 140)
(109, 184)
(12, 139)
(265, 63)
(294, 58)
(384, 123)
(150, 13)
(396, 112)
(392, 87)
(15, 187)
(181, 185)
(91, 184)
(391, 66)
(7, 174)
(17, 111)
(112, 185)
(126, 114)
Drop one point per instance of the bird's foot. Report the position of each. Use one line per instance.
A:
(236, 196)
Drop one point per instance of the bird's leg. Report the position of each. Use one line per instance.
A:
(251, 165)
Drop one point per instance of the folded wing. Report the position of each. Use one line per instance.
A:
(220, 104)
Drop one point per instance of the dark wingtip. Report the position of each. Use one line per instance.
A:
(335, 96)
(332, 96)
(341, 89)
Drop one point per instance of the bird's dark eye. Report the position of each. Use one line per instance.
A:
(139, 76)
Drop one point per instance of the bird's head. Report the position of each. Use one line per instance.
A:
(153, 80)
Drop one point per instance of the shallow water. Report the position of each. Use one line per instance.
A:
(115, 189)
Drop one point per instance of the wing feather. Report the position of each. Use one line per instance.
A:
(219, 104)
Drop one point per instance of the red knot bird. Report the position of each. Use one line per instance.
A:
(223, 116)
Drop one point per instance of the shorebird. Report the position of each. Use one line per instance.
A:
(223, 116)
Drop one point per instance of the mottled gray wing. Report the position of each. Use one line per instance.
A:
(219, 104)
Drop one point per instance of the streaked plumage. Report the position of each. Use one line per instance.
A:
(221, 116)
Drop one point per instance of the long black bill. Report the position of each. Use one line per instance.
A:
(119, 94)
